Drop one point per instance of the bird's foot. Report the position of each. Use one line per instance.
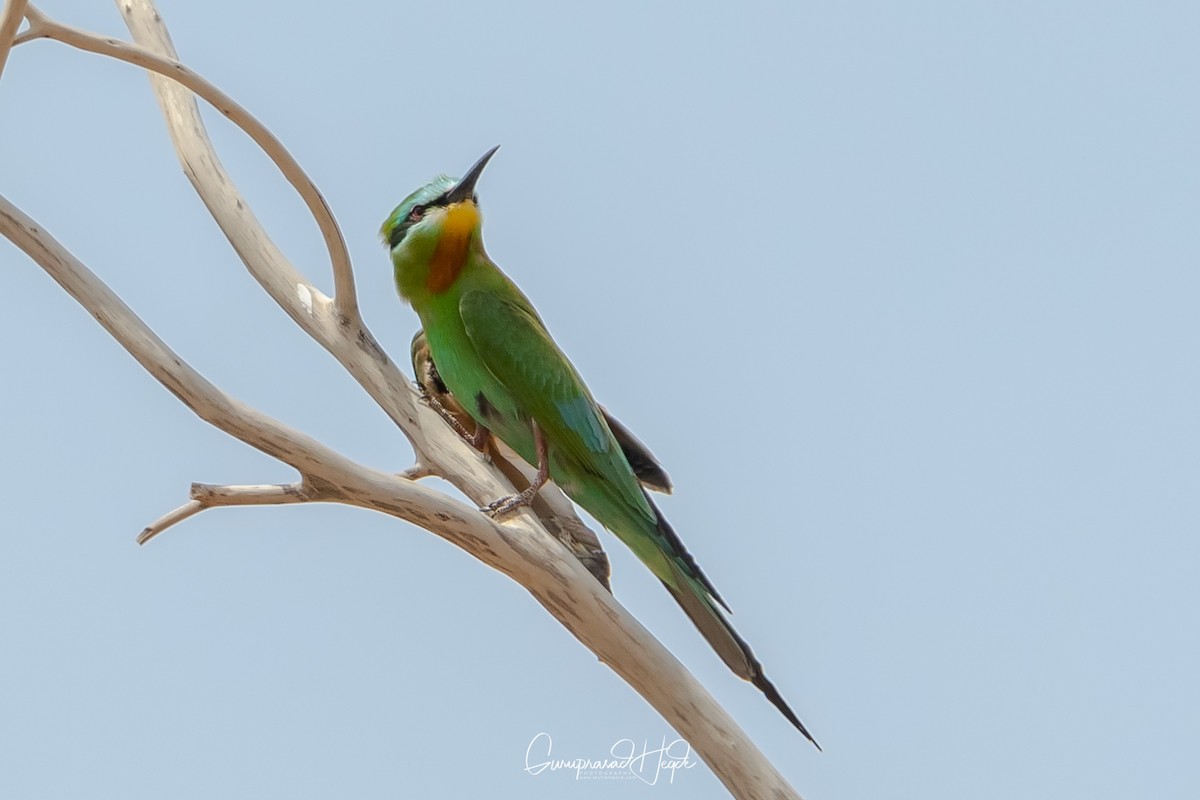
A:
(507, 505)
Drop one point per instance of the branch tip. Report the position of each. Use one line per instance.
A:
(416, 472)
(188, 509)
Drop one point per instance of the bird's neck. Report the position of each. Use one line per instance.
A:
(443, 273)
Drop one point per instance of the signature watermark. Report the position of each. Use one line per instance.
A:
(625, 760)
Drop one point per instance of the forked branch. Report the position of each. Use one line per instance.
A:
(520, 547)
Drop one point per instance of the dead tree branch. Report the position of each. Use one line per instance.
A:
(520, 547)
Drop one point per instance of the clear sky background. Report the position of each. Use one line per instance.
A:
(904, 296)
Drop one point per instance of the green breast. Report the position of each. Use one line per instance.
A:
(481, 394)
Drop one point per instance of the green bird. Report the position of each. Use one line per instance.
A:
(496, 357)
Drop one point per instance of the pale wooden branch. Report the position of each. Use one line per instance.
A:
(10, 23)
(518, 547)
(207, 495)
(41, 26)
(189, 509)
(416, 472)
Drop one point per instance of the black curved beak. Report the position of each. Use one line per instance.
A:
(465, 188)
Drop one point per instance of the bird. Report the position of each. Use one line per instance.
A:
(495, 355)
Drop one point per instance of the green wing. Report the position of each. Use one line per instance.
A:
(514, 345)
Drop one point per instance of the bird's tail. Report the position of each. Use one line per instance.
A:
(695, 596)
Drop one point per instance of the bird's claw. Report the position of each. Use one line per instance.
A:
(506, 505)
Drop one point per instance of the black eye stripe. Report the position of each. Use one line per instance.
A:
(418, 212)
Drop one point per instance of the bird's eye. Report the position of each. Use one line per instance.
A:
(416, 213)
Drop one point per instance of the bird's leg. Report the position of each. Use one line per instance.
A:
(507, 505)
(445, 414)
(479, 439)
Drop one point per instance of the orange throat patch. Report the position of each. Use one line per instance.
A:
(450, 255)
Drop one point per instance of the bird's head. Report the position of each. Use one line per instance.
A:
(432, 232)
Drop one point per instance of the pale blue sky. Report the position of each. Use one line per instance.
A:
(904, 296)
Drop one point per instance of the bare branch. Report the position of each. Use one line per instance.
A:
(520, 547)
(188, 509)
(207, 495)
(10, 22)
(346, 302)
(416, 472)
(259, 494)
